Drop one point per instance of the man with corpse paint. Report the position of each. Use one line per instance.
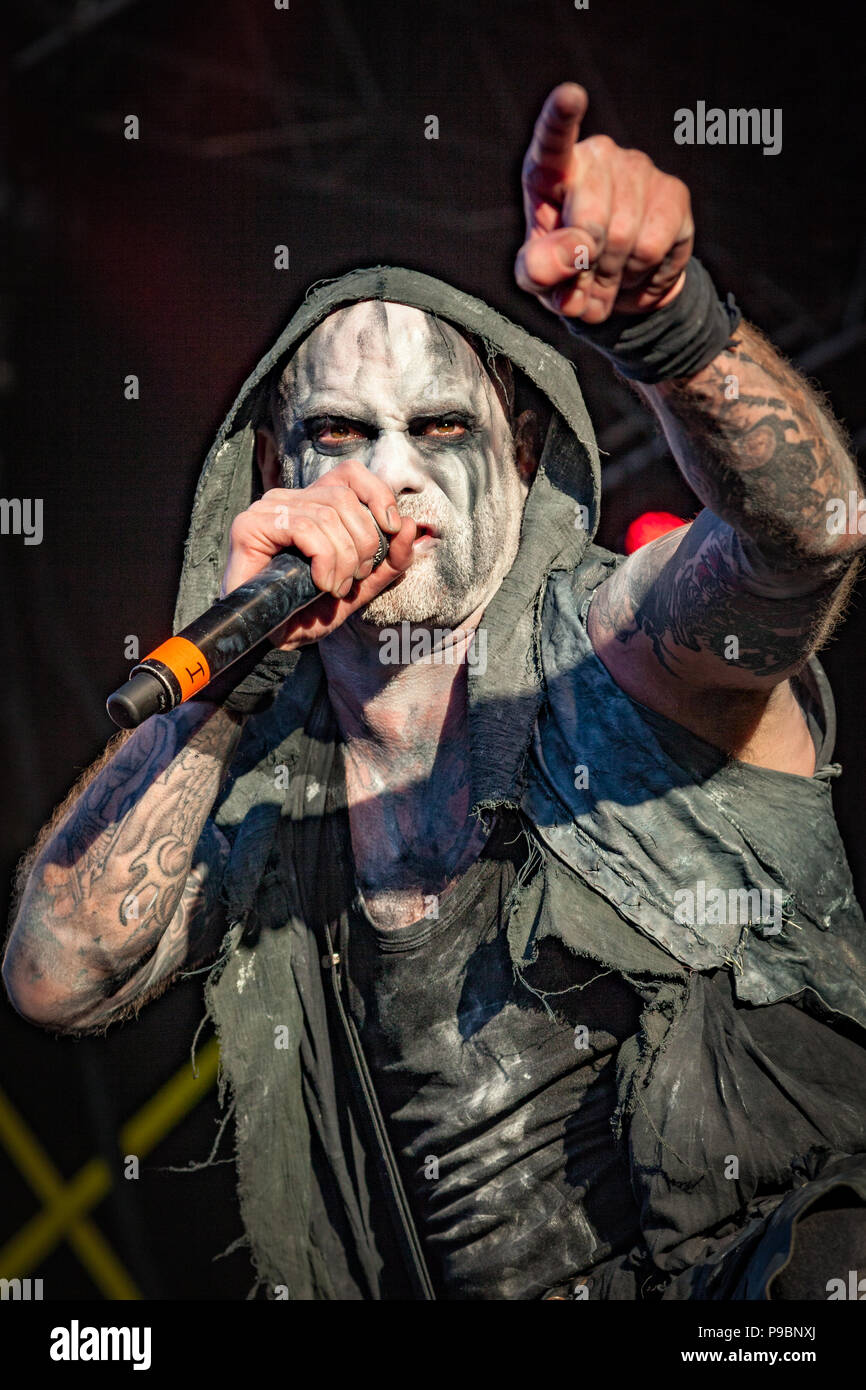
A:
(536, 963)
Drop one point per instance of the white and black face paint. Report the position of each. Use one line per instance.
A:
(405, 394)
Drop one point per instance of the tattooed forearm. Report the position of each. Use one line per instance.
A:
(192, 935)
(111, 901)
(761, 449)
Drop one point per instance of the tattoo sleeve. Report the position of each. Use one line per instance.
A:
(756, 583)
(120, 889)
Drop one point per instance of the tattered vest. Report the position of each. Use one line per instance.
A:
(660, 811)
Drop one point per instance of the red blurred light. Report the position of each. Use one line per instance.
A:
(648, 527)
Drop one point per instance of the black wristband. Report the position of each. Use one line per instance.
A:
(252, 683)
(676, 341)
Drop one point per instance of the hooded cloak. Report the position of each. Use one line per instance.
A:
(657, 812)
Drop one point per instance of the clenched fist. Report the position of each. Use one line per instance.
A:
(329, 522)
(605, 229)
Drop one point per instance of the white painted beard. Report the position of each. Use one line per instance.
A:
(448, 582)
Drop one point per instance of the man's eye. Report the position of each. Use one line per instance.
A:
(334, 433)
(445, 429)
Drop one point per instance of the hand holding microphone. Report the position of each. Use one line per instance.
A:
(291, 553)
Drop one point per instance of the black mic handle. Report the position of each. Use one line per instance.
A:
(243, 618)
(186, 663)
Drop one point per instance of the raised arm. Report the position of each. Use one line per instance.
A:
(735, 603)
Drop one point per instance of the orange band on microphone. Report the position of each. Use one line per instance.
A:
(186, 662)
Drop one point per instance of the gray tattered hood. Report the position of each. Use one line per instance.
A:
(560, 517)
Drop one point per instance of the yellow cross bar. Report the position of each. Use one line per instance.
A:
(65, 1206)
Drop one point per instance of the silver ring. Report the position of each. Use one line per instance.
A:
(382, 550)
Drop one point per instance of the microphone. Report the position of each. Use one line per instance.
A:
(185, 664)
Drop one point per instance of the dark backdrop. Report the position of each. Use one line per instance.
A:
(305, 127)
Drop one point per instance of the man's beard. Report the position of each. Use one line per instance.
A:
(445, 584)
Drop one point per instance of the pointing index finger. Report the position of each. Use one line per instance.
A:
(557, 128)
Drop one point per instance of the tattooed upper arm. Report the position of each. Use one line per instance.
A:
(699, 609)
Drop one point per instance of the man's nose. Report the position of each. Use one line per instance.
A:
(395, 459)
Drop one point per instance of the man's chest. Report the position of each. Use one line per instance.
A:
(493, 1084)
(410, 849)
